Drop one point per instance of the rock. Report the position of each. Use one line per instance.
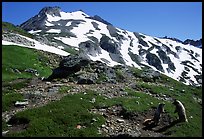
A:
(90, 48)
(42, 89)
(5, 132)
(87, 78)
(171, 89)
(68, 66)
(53, 91)
(93, 120)
(64, 81)
(33, 71)
(48, 83)
(133, 86)
(103, 126)
(17, 39)
(123, 93)
(20, 103)
(78, 126)
(16, 71)
(37, 92)
(57, 85)
(134, 133)
(93, 100)
(120, 120)
(150, 75)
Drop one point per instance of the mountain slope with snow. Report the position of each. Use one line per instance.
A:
(97, 39)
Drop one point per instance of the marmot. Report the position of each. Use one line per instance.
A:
(180, 109)
(157, 115)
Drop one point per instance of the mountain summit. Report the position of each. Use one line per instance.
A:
(55, 11)
(96, 39)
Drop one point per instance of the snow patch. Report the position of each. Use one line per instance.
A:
(48, 24)
(38, 46)
(104, 55)
(32, 31)
(54, 31)
(72, 40)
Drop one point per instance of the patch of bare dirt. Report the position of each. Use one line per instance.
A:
(120, 123)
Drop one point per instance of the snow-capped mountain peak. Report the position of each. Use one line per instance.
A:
(55, 11)
(97, 39)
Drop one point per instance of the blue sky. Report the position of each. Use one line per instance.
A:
(181, 20)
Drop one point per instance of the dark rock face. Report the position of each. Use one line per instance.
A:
(153, 60)
(141, 41)
(196, 43)
(136, 58)
(95, 25)
(98, 18)
(73, 62)
(37, 22)
(166, 60)
(68, 66)
(87, 78)
(89, 47)
(55, 11)
(107, 44)
(115, 32)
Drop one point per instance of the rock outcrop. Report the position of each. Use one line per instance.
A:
(68, 66)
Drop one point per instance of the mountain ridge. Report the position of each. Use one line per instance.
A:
(112, 45)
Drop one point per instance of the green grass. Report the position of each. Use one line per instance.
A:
(4, 126)
(71, 50)
(60, 118)
(64, 89)
(9, 99)
(102, 78)
(136, 72)
(12, 28)
(10, 86)
(16, 57)
(119, 75)
(193, 109)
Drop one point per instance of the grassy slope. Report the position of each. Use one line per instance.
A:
(16, 57)
(12, 28)
(60, 118)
